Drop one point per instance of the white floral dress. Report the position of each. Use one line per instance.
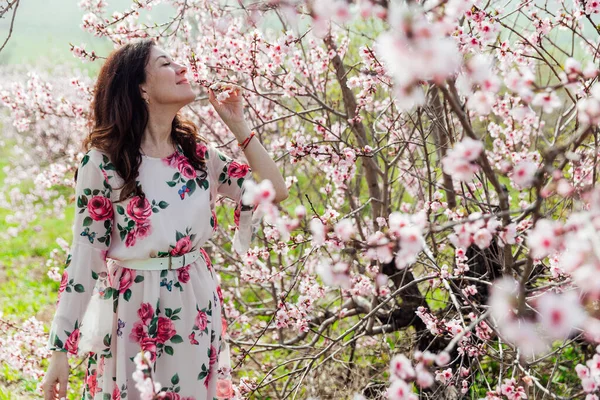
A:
(175, 315)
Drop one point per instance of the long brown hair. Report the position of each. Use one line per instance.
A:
(119, 115)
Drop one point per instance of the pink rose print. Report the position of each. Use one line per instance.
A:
(185, 168)
(171, 396)
(145, 313)
(224, 389)
(201, 320)
(237, 170)
(172, 159)
(183, 245)
(192, 338)
(63, 284)
(143, 230)
(101, 366)
(220, 294)
(139, 209)
(223, 325)
(105, 175)
(116, 394)
(183, 274)
(201, 150)
(208, 377)
(206, 258)
(236, 216)
(126, 280)
(215, 222)
(63, 281)
(213, 355)
(130, 239)
(72, 342)
(92, 383)
(164, 330)
(138, 332)
(100, 208)
(149, 344)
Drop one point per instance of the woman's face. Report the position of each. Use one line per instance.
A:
(166, 82)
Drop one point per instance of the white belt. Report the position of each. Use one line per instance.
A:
(160, 263)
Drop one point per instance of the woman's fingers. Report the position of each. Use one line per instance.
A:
(49, 392)
(219, 87)
(62, 381)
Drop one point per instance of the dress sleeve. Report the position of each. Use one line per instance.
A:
(229, 176)
(86, 260)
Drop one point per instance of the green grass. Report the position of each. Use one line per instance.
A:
(27, 290)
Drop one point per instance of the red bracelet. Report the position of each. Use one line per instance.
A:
(246, 141)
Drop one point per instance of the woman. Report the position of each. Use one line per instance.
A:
(145, 194)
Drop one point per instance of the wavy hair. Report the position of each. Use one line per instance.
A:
(119, 115)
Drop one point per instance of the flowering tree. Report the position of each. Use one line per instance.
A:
(441, 159)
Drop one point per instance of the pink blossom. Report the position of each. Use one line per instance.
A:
(482, 238)
(524, 173)
(261, 193)
(572, 69)
(399, 390)
(459, 169)
(344, 229)
(337, 274)
(424, 378)
(401, 367)
(543, 239)
(318, 231)
(560, 314)
(442, 358)
(510, 389)
(548, 100)
(588, 110)
(468, 149)
(564, 188)
(589, 385)
(443, 376)
(300, 211)
(508, 234)
(481, 102)
(458, 162)
(582, 371)
(592, 6)
(502, 298)
(379, 247)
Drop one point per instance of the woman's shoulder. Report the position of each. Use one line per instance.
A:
(100, 159)
(96, 153)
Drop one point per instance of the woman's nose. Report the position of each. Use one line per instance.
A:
(182, 70)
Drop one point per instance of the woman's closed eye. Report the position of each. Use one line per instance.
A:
(166, 64)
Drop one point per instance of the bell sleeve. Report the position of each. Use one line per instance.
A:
(229, 177)
(86, 261)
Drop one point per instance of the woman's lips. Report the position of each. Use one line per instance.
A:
(182, 82)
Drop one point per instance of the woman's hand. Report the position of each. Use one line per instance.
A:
(227, 100)
(57, 373)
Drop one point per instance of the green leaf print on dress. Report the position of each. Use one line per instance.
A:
(174, 388)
